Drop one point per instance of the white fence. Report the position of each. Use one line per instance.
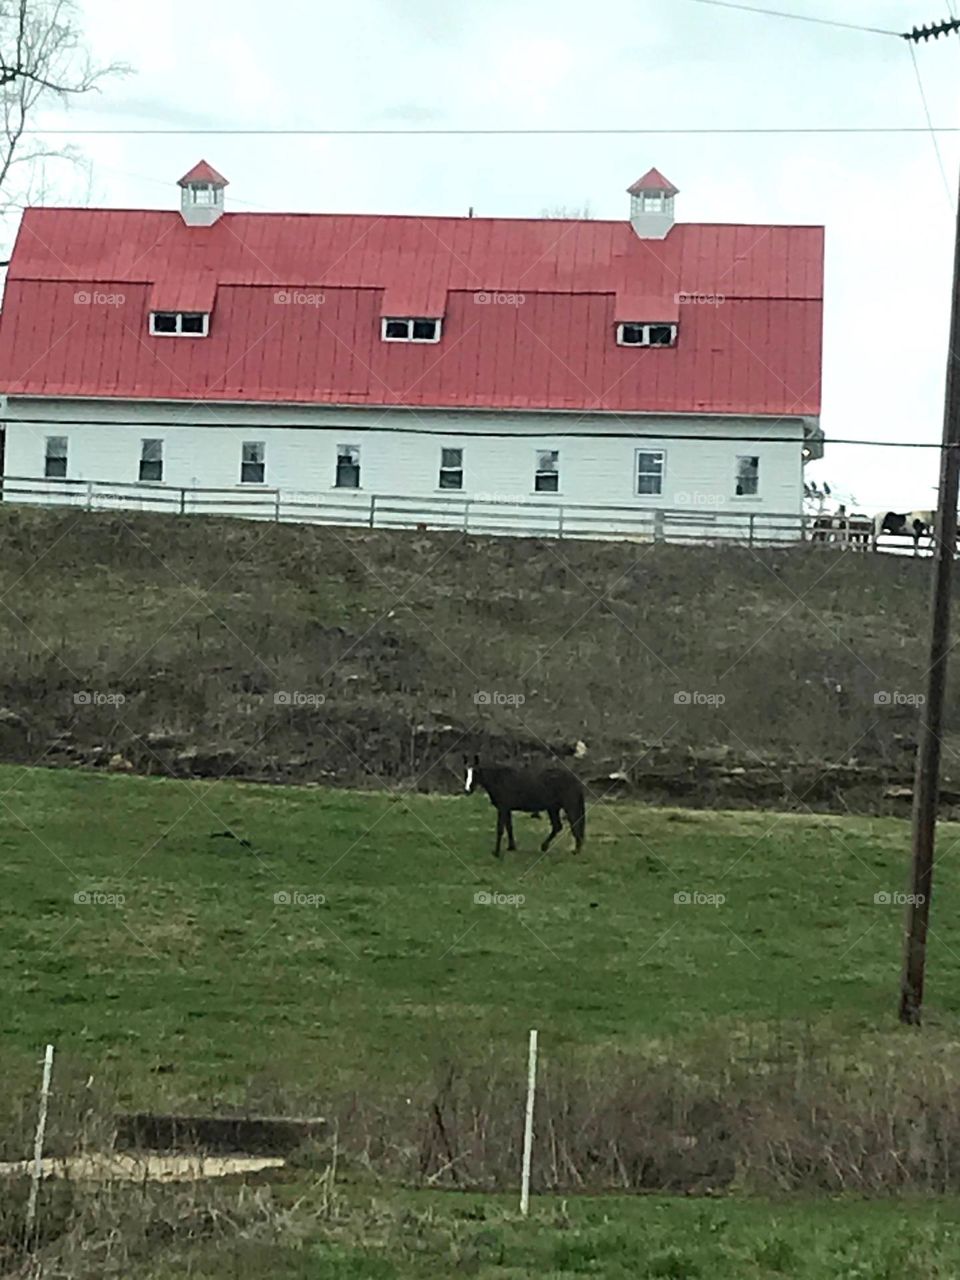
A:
(537, 518)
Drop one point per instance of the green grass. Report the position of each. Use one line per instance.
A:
(425, 1236)
(201, 970)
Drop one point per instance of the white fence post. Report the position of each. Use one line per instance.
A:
(528, 1125)
(38, 1141)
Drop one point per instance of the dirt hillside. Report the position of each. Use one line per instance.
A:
(296, 653)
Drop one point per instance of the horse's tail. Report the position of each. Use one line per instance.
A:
(578, 817)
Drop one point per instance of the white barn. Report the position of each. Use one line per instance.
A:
(637, 378)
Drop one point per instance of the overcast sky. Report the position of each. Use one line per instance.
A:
(623, 64)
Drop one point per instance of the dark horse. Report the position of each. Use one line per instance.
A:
(533, 792)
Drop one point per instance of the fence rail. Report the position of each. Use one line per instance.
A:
(482, 515)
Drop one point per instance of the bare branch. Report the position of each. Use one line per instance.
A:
(42, 57)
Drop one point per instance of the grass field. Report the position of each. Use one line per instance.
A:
(425, 1236)
(202, 971)
(178, 980)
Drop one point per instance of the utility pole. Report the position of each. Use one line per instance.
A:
(926, 787)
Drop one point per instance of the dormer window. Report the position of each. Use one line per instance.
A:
(187, 324)
(413, 329)
(646, 335)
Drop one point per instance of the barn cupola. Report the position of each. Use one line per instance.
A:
(651, 205)
(201, 195)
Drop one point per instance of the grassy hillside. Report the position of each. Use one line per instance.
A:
(201, 646)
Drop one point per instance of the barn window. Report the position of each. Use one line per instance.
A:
(547, 478)
(203, 193)
(653, 202)
(748, 476)
(151, 460)
(194, 324)
(348, 466)
(650, 465)
(451, 468)
(252, 462)
(414, 329)
(646, 335)
(55, 461)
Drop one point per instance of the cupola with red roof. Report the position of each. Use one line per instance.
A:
(201, 195)
(651, 205)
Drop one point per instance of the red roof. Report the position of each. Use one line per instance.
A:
(652, 180)
(203, 172)
(529, 310)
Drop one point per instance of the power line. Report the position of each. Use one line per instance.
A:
(383, 428)
(933, 136)
(494, 133)
(799, 17)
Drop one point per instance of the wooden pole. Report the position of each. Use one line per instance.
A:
(927, 781)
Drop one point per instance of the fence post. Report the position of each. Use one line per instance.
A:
(38, 1142)
(658, 526)
(560, 522)
(466, 516)
(276, 507)
(373, 504)
(528, 1124)
(751, 518)
(89, 495)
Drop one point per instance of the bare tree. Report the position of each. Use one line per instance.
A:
(42, 58)
(583, 213)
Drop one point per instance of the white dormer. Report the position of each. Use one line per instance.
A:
(201, 195)
(651, 205)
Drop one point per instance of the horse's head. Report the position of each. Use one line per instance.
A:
(471, 769)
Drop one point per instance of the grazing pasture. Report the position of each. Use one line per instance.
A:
(339, 939)
(210, 947)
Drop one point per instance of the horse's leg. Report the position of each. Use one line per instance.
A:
(496, 851)
(556, 826)
(511, 843)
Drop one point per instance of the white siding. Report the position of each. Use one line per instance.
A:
(400, 452)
